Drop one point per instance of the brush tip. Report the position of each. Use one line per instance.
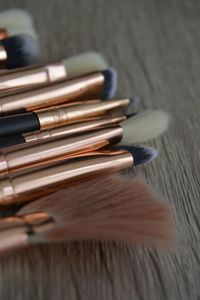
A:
(83, 63)
(110, 83)
(128, 116)
(134, 101)
(141, 154)
(21, 50)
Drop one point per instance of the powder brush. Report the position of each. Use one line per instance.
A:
(57, 116)
(126, 211)
(137, 128)
(37, 75)
(28, 184)
(91, 86)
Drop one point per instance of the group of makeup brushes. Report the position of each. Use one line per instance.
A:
(63, 135)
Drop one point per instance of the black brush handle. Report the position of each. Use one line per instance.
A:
(19, 123)
(11, 140)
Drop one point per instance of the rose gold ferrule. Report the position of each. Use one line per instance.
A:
(67, 115)
(15, 231)
(72, 129)
(84, 87)
(3, 57)
(32, 77)
(54, 149)
(35, 182)
(3, 33)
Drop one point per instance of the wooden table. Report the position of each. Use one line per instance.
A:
(155, 47)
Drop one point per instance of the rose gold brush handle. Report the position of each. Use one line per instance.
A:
(24, 186)
(3, 33)
(3, 57)
(31, 77)
(15, 231)
(83, 87)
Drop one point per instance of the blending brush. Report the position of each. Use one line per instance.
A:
(63, 114)
(18, 51)
(126, 211)
(12, 82)
(91, 86)
(136, 129)
(28, 184)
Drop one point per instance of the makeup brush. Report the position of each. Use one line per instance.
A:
(42, 152)
(126, 211)
(91, 86)
(16, 22)
(29, 184)
(18, 51)
(15, 18)
(145, 126)
(137, 128)
(38, 120)
(37, 75)
(67, 130)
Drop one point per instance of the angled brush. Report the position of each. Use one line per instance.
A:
(126, 211)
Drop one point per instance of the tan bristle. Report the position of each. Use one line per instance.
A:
(110, 208)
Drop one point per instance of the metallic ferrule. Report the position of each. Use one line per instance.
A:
(71, 114)
(3, 34)
(84, 87)
(15, 231)
(31, 77)
(27, 185)
(72, 129)
(3, 57)
(36, 153)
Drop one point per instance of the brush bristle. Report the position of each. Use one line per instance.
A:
(22, 30)
(140, 154)
(144, 126)
(125, 211)
(110, 83)
(15, 17)
(21, 50)
(88, 62)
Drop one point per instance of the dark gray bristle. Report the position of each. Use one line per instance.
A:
(110, 83)
(21, 50)
(128, 116)
(140, 154)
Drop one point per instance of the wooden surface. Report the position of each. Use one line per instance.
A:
(155, 46)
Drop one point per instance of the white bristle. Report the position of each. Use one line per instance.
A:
(15, 17)
(25, 30)
(85, 63)
(144, 126)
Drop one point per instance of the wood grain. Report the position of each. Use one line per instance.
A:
(155, 46)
